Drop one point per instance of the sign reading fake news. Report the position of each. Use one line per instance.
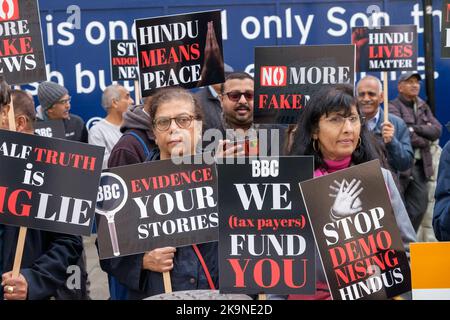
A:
(266, 243)
(286, 77)
(386, 48)
(156, 204)
(48, 184)
(356, 233)
(180, 50)
(22, 58)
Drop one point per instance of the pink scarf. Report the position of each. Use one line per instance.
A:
(333, 166)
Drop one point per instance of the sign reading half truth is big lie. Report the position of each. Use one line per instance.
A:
(286, 77)
(49, 184)
(156, 204)
(357, 234)
(265, 240)
(180, 50)
(22, 58)
(386, 48)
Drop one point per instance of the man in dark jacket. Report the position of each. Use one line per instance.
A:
(47, 255)
(55, 105)
(423, 128)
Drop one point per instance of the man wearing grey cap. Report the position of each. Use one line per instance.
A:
(55, 105)
(423, 128)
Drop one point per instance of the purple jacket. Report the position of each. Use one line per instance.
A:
(426, 128)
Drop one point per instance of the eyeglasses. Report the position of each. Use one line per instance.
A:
(235, 96)
(164, 123)
(64, 101)
(338, 121)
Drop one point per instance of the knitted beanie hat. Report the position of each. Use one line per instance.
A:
(49, 93)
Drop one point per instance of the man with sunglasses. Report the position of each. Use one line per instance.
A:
(237, 96)
(237, 101)
(55, 105)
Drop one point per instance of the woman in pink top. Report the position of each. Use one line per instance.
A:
(332, 129)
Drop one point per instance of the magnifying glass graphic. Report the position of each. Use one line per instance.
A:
(112, 196)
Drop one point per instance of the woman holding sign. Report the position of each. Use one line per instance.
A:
(333, 131)
(176, 123)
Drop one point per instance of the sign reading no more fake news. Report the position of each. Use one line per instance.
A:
(156, 204)
(48, 184)
(386, 48)
(356, 233)
(266, 243)
(286, 77)
(22, 58)
(180, 50)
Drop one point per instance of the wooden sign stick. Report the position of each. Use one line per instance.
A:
(137, 92)
(386, 95)
(23, 230)
(167, 282)
(262, 296)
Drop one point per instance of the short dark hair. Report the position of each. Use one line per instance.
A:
(175, 93)
(23, 104)
(5, 92)
(235, 75)
(333, 98)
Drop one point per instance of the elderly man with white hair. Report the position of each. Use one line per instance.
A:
(115, 100)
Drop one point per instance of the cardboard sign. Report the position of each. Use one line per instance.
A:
(156, 204)
(430, 263)
(22, 58)
(48, 184)
(50, 129)
(445, 33)
(180, 50)
(356, 233)
(123, 57)
(266, 243)
(386, 48)
(286, 77)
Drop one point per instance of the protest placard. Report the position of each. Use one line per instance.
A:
(265, 240)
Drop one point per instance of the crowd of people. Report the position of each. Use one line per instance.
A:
(341, 127)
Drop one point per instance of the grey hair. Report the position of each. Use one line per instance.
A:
(112, 92)
(369, 77)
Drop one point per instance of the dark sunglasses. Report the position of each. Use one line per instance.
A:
(235, 96)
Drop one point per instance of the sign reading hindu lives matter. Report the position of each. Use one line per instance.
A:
(123, 57)
(180, 50)
(156, 204)
(356, 233)
(445, 33)
(22, 58)
(386, 48)
(50, 128)
(265, 240)
(48, 184)
(286, 77)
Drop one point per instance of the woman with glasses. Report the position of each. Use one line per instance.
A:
(176, 123)
(332, 130)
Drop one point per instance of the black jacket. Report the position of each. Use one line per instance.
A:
(45, 261)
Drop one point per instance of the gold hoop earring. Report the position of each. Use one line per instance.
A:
(315, 148)
(359, 143)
